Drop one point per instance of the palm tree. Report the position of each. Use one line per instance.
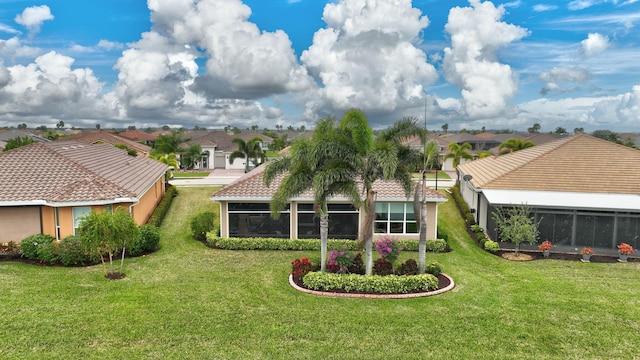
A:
(374, 159)
(169, 143)
(167, 159)
(513, 145)
(307, 166)
(249, 150)
(430, 155)
(457, 153)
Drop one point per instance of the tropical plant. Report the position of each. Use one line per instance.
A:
(307, 167)
(17, 142)
(513, 145)
(249, 150)
(108, 233)
(167, 159)
(388, 248)
(515, 225)
(430, 155)
(191, 157)
(169, 143)
(458, 152)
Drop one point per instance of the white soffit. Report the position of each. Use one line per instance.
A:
(556, 199)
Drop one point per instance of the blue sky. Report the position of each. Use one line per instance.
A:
(211, 63)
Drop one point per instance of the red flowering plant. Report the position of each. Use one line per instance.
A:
(300, 268)
(388, 248)
(586, 251)
(545, 246)
(625, 249)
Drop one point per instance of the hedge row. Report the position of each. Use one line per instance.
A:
(462, 205)
(433, 245)
(163, 207)
(390, 284)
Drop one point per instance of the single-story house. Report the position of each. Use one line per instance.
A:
(105, 137)
(244, 212)
(47, 187)
(584, 191)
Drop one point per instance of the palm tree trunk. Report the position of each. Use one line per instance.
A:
(367, 233)
(324, 234)
(422, 244)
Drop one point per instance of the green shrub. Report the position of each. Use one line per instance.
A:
(29, 245)
(462, 205)
(48, 252)
(354, 283)
(148, 241)
(71, 252)
(201, 224)
(433, 245)
(491, 246)
(163, 207)
(476, 229)
(433, 268)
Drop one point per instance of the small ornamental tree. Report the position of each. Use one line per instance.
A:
(516, 225)
(108, 233)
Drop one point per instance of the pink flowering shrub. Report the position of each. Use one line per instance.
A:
(339, 260)
(388, 248)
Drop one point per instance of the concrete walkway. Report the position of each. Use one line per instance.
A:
(217, 177)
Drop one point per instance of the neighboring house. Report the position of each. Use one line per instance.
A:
(248, 135)
(217, 146)
(583, 190)
(244, 212)
(104, 137)
(5, 136)
(138, 136)
(48, 187)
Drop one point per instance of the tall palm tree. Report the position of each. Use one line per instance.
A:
(169, 143)
(371, 159)
(513, 145)
(430, 155)
(457, 153)
(249, 150)
(307, 166)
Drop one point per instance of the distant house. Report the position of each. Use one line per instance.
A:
(6, 136)
(244, 212)
(105, 137)
(48, 187)
(138, 136)
(583, 190)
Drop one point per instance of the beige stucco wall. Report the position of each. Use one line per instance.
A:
(19, 222)
(148, 202)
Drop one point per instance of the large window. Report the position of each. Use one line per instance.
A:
(78, 215)
(343, 222)
(395, 218)
(254, 220)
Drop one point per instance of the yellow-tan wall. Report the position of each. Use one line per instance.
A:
(144, 208)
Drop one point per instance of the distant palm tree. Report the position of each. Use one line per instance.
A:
(250, 150)
(169, 143)
(457, 153)
(513, 145)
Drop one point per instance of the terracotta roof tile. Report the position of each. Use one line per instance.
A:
(579, 163)
(68, 171)
(100, 136)
(251, 187)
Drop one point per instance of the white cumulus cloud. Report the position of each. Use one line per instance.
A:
(471, 61)
(33, 17)
(594, 44)
(366, 57)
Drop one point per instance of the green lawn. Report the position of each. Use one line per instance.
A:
(187, 301)
(191, 174)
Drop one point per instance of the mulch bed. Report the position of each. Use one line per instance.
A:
(537, 255)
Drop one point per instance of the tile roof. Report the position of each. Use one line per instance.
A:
(220, 139)
(251, 187)
(137, 135)
(579, 163)
(100, 136)
(68, 171)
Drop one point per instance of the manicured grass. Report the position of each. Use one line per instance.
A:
(187, 301)
(190, 174)
(432, 175)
